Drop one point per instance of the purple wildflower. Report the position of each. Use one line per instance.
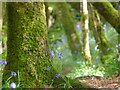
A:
(108, 49)
(3, 62)
(13, 74)
(77, 26)
(57, 75)
(51, 53)
(12, 85)
(48, 68)
(61, 54)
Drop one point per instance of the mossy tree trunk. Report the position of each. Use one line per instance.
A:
(119, 43)
(28, 50)
(101, 40)
(109, 13)
(0, 16)
(119, 55)
(70, 30)
(27, 46)
(0, 40)
(47, 12)
(0, 21)
(86, 48)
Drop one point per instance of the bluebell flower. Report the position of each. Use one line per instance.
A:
(3, 62)
(57, 75)
(77, 26)
(61, 54)
(13, 74)
(12, 85)
(108, 49)
(52, 53)
(60, 57)
(48, 68)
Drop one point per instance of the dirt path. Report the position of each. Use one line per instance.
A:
(95, 82)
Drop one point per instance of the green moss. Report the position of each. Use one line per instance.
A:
(109, 13)
(27, 45)
(68, 24)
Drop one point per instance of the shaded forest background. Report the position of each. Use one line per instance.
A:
(58, 44)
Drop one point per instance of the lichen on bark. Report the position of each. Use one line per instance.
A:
(27, 45)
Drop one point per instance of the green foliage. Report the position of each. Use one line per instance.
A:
(80, 68)
(18, 84)
(62, 57)
(111, 65)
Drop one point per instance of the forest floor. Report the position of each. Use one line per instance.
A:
(98, 82)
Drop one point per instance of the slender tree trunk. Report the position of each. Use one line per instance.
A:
(86, 49)
(68, 24)
(119, 44)
(99, 35)
(0, 41)
(0, 28)
(119, 55)
(0, 16)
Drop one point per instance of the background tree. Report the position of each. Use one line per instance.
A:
(69, 27)
(99, 34)
(0, 27)
(86, 49)
(108, 12)
(1, 51)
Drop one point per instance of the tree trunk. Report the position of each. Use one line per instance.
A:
(27, 45)
(28, 50)
(109, 13)
(68, 24)
(98, 32)
(0, 28)
(0, 41)
(86, 49)
(119, 44)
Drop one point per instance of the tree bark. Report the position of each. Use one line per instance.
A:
(109, 13)
(27, 45)
(101, 40)
(28, 50)
(1, 29)
(68, 24)
(86, 48)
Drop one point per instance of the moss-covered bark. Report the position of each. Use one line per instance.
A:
(99, 35)
(118, 55)
(0, 38)
(27, 45)
(109, 13)
(68, 24)
(86, 49)
(0, 17)
(47, 12)
(27, 48)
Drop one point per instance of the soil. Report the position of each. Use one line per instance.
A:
(101, 83)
